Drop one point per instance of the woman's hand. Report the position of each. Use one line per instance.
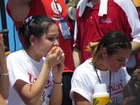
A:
(2, 102)
(132, 100)
(54, 57)
(57, 72)
(2, 49)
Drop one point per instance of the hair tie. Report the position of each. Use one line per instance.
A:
(26, 21)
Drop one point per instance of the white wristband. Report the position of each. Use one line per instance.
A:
(4, 73)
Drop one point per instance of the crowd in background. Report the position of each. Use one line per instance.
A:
(68, 47)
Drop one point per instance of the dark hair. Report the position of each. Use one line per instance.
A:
(36, 25)
(112, 41)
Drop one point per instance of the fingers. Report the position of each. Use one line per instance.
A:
(2, 46)
(63, 54)
(58, 52)
(55, 56)
(57, 49)
(132, 100)
(136, 74)
(60, 56)
(1, 37)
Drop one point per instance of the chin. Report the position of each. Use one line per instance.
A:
(44, 55)
(115, 70)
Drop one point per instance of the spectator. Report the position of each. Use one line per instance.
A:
(4, 78)
(35, 72)
(106, 66)
(55, 9)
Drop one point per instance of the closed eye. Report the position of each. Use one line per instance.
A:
(120, 60)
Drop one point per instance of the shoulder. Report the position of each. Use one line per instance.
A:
(18, 9)
(84, 70)
(124, 3)
(81, 6)
(16, 55)
(86, 65)
(120, 1)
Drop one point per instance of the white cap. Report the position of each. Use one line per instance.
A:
(100, 88)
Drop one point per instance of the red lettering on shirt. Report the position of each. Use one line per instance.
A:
(33, 79)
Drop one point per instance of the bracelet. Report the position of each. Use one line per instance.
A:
(4, 73)
(57, 82)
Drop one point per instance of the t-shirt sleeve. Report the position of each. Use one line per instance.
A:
(16, 70)
(81, 89)
(81, 84)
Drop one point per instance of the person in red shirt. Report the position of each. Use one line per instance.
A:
(94, 18)
(55, 9)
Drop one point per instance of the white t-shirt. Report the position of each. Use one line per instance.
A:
(85, 78)
(23, 67)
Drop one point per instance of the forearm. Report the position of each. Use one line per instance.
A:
(135, 48)
(19, 9)
(76, 57)
(19, 1)
(56, 95)
(4, 80)
(34, 92)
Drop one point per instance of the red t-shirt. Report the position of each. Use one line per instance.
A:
(92, 27)
(43, 7)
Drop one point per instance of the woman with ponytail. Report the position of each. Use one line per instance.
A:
(106, 66)
(35, 72)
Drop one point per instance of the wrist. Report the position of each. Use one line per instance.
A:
(58, 79)
(3, 68)
(4, 73)
(46, 66)
(58, 83)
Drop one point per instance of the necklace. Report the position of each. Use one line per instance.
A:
(101, 81)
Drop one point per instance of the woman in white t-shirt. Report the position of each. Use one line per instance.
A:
(106, 66)
(35, 72)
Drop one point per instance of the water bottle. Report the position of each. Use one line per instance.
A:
(101, 96)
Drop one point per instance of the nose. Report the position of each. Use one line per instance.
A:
(56, 43)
